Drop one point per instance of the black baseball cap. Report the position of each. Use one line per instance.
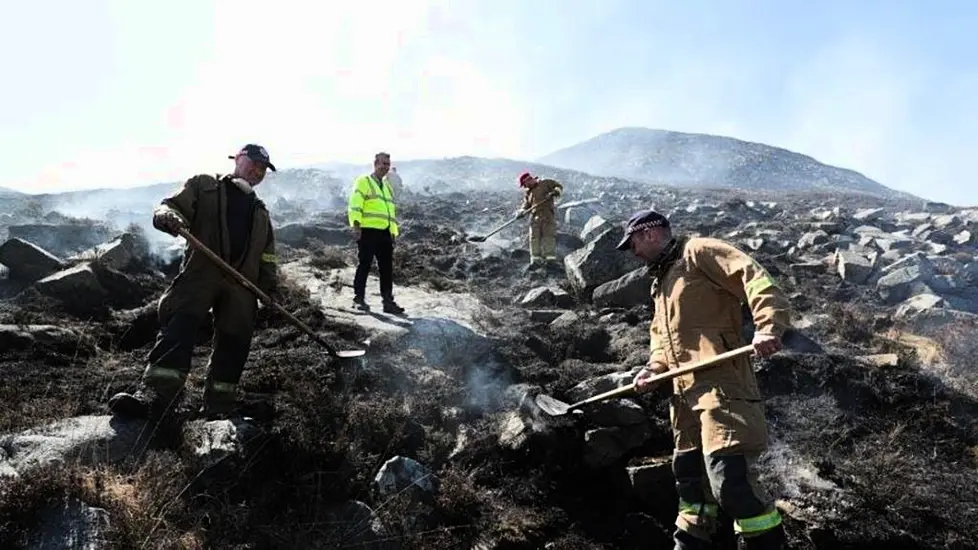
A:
(256, 153)
(645, 219)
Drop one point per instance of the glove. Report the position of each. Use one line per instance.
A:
(648, 371)
(168, 221)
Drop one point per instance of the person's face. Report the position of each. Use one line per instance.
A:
(648, 244)
(382, 165)
(251, 171)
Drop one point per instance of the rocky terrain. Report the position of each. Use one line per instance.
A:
(432, 440)
(686, 159)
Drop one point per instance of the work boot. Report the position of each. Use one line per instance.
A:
(390, 306)
(774, 539)
(685, 541)
(143, 403)
(360, 303)
(219, 410)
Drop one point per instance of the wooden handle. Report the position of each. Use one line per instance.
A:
(250, 286)
(701, 365)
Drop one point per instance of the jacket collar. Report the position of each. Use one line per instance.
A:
(240, 183)
(669, 254)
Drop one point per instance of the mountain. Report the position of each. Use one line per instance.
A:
(468, 173)
(9, 193)
(686, 159)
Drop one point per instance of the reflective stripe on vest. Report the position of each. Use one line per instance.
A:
(377, 210)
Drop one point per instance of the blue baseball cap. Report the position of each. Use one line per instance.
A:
(256, 153)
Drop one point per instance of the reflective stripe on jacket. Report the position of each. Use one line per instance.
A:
(372, 205)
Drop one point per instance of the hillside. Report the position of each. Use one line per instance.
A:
(433, 441)
(468, 173)
(686, 159)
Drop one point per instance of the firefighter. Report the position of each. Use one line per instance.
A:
(373, 217)
(717, 415)
(540, 193)
(224, 213)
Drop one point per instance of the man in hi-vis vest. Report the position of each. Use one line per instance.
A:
(373, 217)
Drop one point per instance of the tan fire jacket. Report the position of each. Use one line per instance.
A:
(201, 203)
(697, 303)
(538, 195)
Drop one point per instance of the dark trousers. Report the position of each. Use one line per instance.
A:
(182, 308)
(375, 243)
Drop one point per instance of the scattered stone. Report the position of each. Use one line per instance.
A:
(89, 440)
(543, 296)
(630, 289)
(27, 261)
(400, 473)
(853, 267)
(598, 262)
(594, 227)
(72, 284)
(119, 253)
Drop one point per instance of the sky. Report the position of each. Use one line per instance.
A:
(118, 93)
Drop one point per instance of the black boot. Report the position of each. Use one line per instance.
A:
(685, 541)
(390, 306)
(219, 410)
(775, 539)
(143, 403)
(360, 303)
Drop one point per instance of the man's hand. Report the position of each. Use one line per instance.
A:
(169, 221)
(766, 344)
(356, 233)
(642, 383)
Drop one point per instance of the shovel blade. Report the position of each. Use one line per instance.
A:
(551, 406)
(348, 353)
(476, 239)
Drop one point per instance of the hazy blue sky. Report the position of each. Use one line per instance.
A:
(110, 93)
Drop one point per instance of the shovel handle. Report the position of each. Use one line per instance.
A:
(510, 222)
(668, 375)
(500, 228)
(251, 286)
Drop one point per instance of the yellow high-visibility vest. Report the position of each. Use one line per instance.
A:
(372, 204)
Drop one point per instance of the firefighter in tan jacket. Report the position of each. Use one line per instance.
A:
(224, 213)
(717, 415)
(538, 196)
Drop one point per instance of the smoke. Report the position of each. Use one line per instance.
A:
(792, 472)
(293, 196)
(488, 382)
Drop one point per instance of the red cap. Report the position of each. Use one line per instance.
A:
(523, 177)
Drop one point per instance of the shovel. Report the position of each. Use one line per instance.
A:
(482, 238)
(554, 407)
(266, 300)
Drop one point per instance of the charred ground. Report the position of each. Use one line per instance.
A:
(862, 456)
